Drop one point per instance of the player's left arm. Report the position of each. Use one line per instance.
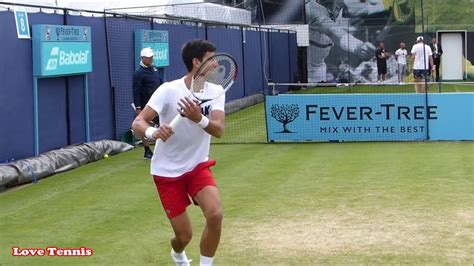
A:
(216, 124)
(191, 109)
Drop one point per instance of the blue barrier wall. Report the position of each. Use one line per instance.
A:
(369, 117)
(253, 62)
(265, 48)
(61, 99)
(16, 95)
(120, 33)
(293, 57)
(280, 59)
(456, 116)
(100, 93)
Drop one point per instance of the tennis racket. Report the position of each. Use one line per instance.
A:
(214, 78)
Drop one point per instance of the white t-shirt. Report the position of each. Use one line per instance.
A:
(401, 56)
(189, 145)
(417, 50)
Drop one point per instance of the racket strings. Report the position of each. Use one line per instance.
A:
(220, 71)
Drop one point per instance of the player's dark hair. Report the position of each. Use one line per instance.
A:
(195, 49)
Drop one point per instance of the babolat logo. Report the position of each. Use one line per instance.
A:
(53, 60)
(66, 58)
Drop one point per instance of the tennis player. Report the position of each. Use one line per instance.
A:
(423, 59)
(180, 165)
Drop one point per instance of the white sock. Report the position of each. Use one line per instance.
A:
(179, 256)
(206, 261)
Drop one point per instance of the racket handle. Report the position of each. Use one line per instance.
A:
(173, 124)
(176, 120)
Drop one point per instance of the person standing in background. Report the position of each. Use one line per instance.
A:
(437, 52)
(422, 62)
(381, 56)
(401, 56)
(146, 79)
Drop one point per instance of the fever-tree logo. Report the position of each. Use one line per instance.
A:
(285, 114)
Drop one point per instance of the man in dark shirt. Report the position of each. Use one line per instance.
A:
(437, 52)
(146, 79)
(381, 55)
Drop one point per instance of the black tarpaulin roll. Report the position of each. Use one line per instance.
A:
(32, 169)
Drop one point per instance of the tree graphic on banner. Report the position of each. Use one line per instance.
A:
(285, 114)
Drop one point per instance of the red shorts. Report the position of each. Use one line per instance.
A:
(175, 192)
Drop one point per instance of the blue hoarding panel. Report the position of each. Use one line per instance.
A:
(61, 50)
(158, 41)
(369, 117)
(455, 116)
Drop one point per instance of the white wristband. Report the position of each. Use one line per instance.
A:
(204, 122)
(149, 133)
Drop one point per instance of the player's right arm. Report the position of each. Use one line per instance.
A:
(140, 125)
(155, 105)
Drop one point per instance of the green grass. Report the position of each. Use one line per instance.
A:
(245, 126)
(298, 204)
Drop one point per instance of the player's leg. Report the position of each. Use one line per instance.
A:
(182, 232)
(425, 78)
(404, 70)
(399, 71)
(384, 70)
(182, 236)
(378, 72)
(174, 198)
(437, 62)
(204, 192)
(416, 77)
(209, 201)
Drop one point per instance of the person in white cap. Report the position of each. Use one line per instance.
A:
(146, 79)
(422, 60)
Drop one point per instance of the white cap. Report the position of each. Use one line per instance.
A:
(146, 52)
(419, 39)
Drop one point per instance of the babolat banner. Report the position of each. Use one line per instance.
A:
(370, 117)
(61, 50)
(157, 40)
